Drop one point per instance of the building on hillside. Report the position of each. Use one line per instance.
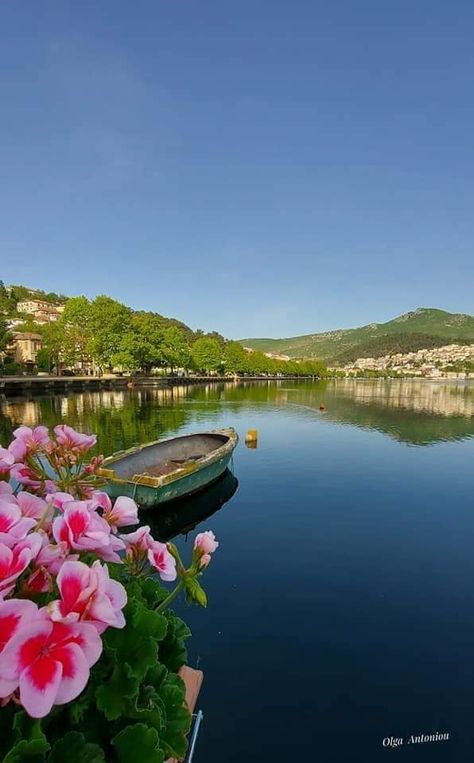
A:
(24, 347)
(40, 311)
(32, 306)
(12, 323)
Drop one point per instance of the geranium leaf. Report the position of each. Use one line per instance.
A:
(73, 748)
(112, 696)
(138, 742)
(32, 751)
(178, 717)
(150, 623)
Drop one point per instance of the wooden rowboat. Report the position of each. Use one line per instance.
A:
(162, 471)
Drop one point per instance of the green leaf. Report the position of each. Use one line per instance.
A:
(137, 643)
(150, 623)
(138, 743)
(31, 743)
(112, 697)
(178, 717)
(32, 751)
(172, 650)
(73, 748)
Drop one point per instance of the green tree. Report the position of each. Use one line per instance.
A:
(206, 354)
(176, 348)
(75, 324)
(109, 322)
(141, 346)
(53, 349)
(235, 358)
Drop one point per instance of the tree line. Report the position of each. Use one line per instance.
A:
(110, 335)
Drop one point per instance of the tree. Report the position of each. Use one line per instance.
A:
(109, 322)
(75, 324)
(141, 346)
(175, 348)
(206, 354)
(5, 338)
(235, 358)
(53, 346)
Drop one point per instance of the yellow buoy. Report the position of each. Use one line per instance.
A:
(251, 438)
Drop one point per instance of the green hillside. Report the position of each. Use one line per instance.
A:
(403, 334)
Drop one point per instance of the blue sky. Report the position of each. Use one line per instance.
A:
(259, 167)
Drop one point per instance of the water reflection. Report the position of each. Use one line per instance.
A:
(182, 516)
(417, 412)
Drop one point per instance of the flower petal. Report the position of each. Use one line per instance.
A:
(39, 684)
(75, 672)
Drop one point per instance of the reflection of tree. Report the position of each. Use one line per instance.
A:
(120, 419)
(416, 412)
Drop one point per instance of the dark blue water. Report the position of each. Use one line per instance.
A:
(341, 599)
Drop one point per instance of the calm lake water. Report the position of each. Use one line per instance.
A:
(341, 599)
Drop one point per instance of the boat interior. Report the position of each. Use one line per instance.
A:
(163, 458)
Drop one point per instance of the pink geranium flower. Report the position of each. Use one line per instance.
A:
(53, 555)
(7, 460)
(6, 492)
(140, 546)
(160, 558)
(32, 506)
(69, 438)
(12, 563)
(80, 528)
(28, 440)
(13, 614)
(48, 662)
(205, 543)
(13, 526)
(25, 476)
(123, 513)
(87, 593)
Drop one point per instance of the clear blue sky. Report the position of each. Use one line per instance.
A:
(259, 167)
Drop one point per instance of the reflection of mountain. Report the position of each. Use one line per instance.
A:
(412, 411)
(183, 515)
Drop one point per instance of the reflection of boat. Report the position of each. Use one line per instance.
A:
(183, 515)
(163, 471)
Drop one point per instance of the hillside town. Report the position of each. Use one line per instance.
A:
(450, 361)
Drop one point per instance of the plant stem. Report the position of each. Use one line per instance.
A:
(171, 597)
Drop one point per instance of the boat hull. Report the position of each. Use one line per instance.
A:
(151, 492)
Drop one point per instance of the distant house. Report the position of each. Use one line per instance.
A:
(42, 312)
(32, 306)
(24, 347)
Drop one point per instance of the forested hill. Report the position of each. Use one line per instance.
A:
(425, 327)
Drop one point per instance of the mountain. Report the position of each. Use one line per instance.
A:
(424, 327)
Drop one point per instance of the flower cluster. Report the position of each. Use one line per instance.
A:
(44, 463)
(57, 536)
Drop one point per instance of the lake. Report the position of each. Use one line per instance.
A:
(341, 599)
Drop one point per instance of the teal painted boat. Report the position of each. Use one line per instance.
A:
(165, 470)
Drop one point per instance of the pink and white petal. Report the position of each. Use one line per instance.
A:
(73, 578)
(31, 505)
(87, 637)
(60, 500)
(13, 614)
(6, 492)
(117, 594)
(39, 684)
(75, 672)
(23, 647)
(61, 531)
